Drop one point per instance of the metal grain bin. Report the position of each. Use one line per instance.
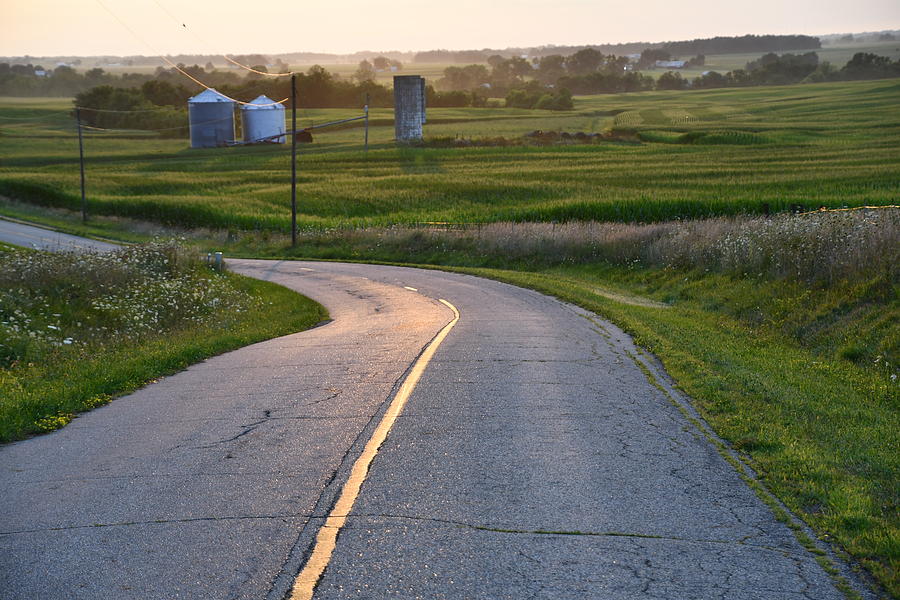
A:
(211, 117)
(261, 119)
(409, 107)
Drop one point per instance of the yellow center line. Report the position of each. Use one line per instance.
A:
(305, 584)
(406, 287)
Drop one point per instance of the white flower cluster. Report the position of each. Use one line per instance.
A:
(49, 302)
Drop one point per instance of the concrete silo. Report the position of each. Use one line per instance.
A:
(261, 119)
(211, 116)
(409, 107)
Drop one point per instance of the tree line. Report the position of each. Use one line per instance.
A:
(158, 101)
(786, 69)
(716, 45)
(588, 71)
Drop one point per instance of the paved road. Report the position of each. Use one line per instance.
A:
(45, 239)
(533, 460)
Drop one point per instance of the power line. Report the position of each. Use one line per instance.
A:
(110, 110)
(173, 65)
(37, 119)
(205, 43)
(159, 129)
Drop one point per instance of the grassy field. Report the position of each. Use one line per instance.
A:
(787, 357)
(680, 154)
(837, 55)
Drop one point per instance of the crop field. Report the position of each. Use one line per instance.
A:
(787, 344)
(836, 55)
(666, 155)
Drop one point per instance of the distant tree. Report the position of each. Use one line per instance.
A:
(520, 67)
(494, 60)
(364, 72)
(316, 87)
(95, 76)
(380, 62)
(534, 96)
(209, 66)
(650, 56)
(469, 56)
(508, 74)
(260, 68)
(743, 44)
(583, 62)
(738, 78)
(671, 81)
(824, 72)
(866, 65)
(615, 64)
(551, 68)
(712, 79)
(163, 93)
(697, 61)
(463, 78)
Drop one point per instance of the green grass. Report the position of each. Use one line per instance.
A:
(821, 432)
(703, 153)
(45, 385)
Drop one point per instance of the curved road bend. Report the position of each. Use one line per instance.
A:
(533, 460)
(29, 236)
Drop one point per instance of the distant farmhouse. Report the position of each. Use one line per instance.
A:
(670, 64)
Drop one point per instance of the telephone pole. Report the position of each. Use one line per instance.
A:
(293, 161)
(81, 162)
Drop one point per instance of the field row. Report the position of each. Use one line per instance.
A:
(668, 155)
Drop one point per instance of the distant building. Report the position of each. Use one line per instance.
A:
(211, 118)
(670, 64)
(263, 121)
(409, 107)
(40, 73)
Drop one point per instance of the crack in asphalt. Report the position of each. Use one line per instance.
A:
(247, 429)
(308, 518)
(335, 394)
(559, 532)
(154, 522)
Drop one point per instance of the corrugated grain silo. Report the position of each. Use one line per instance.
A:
(409, 107)
(261, 119)
(211, 117)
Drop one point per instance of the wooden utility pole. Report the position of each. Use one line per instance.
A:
(293, 161)
(367, 122)
(81, 162)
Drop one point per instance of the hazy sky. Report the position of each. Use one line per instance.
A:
(84, 27)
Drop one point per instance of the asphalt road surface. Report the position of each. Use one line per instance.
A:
(534, 459)
(37, 238)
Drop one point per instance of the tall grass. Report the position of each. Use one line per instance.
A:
(76, 329)
(818, 247)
